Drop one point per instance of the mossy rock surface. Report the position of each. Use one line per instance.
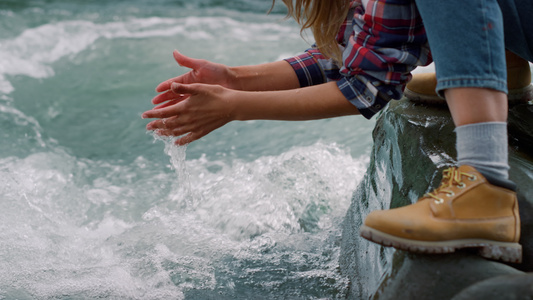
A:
(507, 287)
(437, 277)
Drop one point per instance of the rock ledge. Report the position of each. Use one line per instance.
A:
(413, 143)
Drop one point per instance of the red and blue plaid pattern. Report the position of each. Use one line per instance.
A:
(382, 41)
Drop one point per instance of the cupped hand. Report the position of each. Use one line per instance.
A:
(203, 109)
(202, 71)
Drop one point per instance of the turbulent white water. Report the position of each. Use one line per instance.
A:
(94, 229)
(92, 207)
(35, 49)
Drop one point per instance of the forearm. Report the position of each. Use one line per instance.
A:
(209, 107)
(309, 103)
(275, 76)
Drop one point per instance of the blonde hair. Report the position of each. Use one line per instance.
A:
(324, 18)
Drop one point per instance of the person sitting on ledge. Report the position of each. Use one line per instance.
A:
(364, 54)
(476, 205)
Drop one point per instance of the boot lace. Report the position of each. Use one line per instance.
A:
(450, 177)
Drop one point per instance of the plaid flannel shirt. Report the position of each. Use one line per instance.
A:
(382, 41)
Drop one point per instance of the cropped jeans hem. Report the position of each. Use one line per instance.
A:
(468, 39)
(474, 82)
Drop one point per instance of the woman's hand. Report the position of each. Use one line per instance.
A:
(204, 109)
(202, 71)
(208, 107)
(212, 95)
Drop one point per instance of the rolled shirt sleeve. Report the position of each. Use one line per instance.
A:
(382, 41)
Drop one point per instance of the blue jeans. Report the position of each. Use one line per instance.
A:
(468, 39)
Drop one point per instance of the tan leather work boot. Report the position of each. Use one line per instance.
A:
(422, 87)
(466, 211)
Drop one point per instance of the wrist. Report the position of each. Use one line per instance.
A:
(237, 105)
(237, 77)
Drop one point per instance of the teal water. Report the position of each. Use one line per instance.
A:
(93, 206)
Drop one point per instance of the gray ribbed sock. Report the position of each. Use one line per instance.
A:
(484, 147)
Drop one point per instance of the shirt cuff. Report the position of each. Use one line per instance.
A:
(363, 94)
(307, 69)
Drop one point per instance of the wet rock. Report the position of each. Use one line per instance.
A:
(510, 287)
(521, 160)
(400, 170)
(413, 143)
(436, 277)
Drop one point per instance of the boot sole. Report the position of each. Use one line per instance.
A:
(507, 252)
(515, 96)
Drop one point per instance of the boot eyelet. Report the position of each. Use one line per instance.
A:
(450, 194)
(473, 178)
(461, 185)
(440, 201)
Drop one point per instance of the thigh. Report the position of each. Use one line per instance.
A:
(518, 26)
(467, 42)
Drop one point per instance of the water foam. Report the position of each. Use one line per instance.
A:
(33, 52)
(82, 228)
